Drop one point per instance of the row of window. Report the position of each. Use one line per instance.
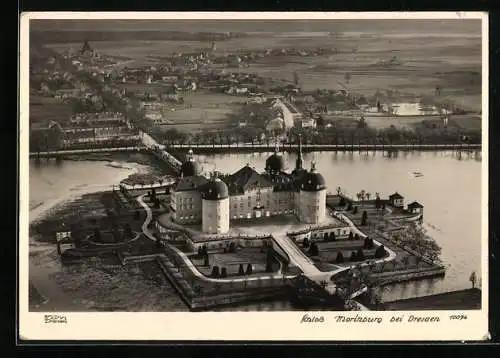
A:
(186, 207)
(188, 217)
(266, 213)
(186, 200)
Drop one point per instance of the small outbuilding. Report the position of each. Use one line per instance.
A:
(396, 200)
(415, 208)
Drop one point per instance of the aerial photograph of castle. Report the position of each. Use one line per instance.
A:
(255, 165)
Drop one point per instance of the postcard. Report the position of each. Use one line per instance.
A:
(253, 176)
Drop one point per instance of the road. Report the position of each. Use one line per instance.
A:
(319, 147)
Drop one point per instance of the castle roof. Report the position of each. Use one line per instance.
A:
(275, 163)
(215, 189)
(189, 168)
(190, 183)
(312, 180)
(245, 179)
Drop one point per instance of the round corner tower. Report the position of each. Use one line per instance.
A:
(312, 202)
(215, 207)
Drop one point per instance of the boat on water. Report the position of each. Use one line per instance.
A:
(116, 165)
(418, 174)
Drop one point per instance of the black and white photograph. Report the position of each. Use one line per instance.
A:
(309, 165)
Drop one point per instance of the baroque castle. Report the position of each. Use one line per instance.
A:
(248, 194)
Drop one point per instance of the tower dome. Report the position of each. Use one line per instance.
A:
(215, 189)
(275, 163)
(313, 181)
(190, 167)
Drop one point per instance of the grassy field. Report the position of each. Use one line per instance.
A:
(232, 261)
(201, 111)
(44, 109)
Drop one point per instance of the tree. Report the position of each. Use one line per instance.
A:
(360, 255)
(269, 265)
(363, 196)
(249, 270)
(353, 256)
(366, 243)
(356, 236)
(313, 249)
(349, 206)
(363, 218)
(405, 261)
(223, 272)
(127, 230)
(97, 235)
(206, 260)
(351, 236)
(380, 252)
(215, 272)
(241, 270)
(342, 201)
(347, 77)
(158, 241)
(340, 257)
(355, 210)
(305, 243)
(377, 201)
(473, 278)
(332, 236)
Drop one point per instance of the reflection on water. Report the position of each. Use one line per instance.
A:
(449, 190)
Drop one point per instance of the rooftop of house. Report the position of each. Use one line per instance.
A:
(245, 179)
(396, 195)
(415, 204)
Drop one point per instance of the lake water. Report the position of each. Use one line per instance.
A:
(450, 190)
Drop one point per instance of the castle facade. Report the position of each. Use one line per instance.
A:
(248, 194)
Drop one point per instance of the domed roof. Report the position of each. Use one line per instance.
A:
(215, 189)
(313, 181)
(189, 168)
(275, 163)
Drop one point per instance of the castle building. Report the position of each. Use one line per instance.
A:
(248, 194)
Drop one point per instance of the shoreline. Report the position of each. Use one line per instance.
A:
(39, 274)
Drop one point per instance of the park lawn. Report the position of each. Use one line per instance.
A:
(473, 123)
(201, 110)
(232, 261)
